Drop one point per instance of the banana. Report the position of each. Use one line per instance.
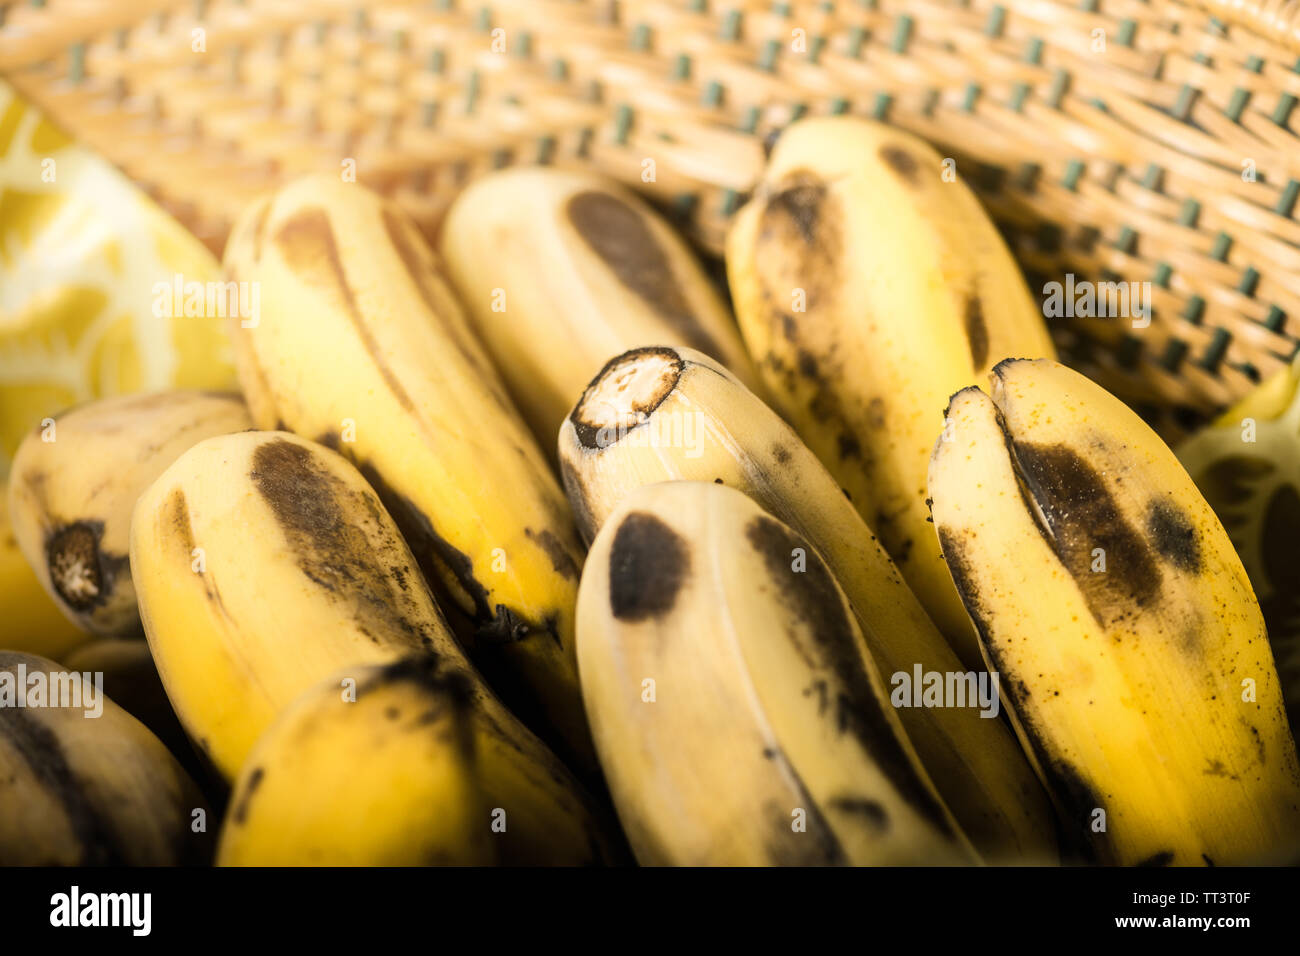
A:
(386, 778)
(736, 710)
(659, 414)
(264, 563)
(868, 290)
(1247, 464)
(131, 680)
(562, 269)
(84, 790)
(1109, 598)
(33, 622)
(75, 481)
(360, 345)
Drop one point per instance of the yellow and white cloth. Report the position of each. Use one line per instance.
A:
(81, 252)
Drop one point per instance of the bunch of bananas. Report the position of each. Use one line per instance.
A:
(431, 593)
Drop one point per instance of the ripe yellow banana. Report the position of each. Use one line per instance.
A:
(387, 777)
(660, 414)
(1130, 645)
(75, 481)
(33, 622)
(1247, 464)
(264, 563)
(738, 715)
(562, 269)
(868, 290)
(361, 345)
(79, 790)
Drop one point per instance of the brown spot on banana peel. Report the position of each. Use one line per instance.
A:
(813, 597)
(798, 245)
(977, 332)
(648, 564)
(321, 518)
(562, 559)
(306, 240)
(1081, 515)
(240, 812)
(621, 237)
(1164, 858)
(1174, 536)
(901, 162)
(817, 845)
(40, 748)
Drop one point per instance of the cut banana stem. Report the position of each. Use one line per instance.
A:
(360, 345)
(83, 783)
(562, 269)
(264, 563)
(386, 776)
(870, 285)
(738, 715)
(75, 480)
(1131, 648)
(661, 414)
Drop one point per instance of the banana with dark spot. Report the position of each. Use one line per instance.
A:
(661, 414)
(80, 789)
(361, 345)
(869, 287)
(389, 776)
(264, 563)
(737, 712)
(75, 481)
(562, 269)
(1133, 654)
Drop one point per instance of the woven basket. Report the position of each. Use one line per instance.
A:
(1116, 140)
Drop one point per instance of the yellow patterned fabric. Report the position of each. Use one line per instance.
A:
(82, 255)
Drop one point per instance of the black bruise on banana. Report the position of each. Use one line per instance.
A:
(240, 813)
(39, 747)
(594, 433)
(1082, 516)
(1164, 858)
(1075, 799)
(562, 561)
(977, 332)
(621, 237)
(1174, 536)
(900, 161)
(814, 599)
(318, 514)
(648, 563)
(815, 846)
(82, 573)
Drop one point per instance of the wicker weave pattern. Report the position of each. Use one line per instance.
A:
(1122, 164)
